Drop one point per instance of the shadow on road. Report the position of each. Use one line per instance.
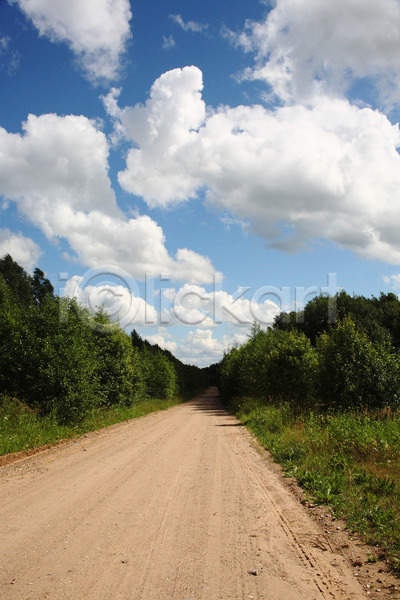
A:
(209, 402)
(231, 425)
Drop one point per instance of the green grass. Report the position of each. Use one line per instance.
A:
(22, 428)
(348, 461)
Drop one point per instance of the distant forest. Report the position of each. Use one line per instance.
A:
(339, 352)
(61, 359)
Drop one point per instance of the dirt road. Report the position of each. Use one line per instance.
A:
(173, 506)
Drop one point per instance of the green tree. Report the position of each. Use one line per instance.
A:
(289, 368)
(41, 286)
(160, 375)
(274, 365)
(119, 368)
(378, 318)
(58, 360)
(353, 372)
(388, 309)
(11, 321)
(19, 282)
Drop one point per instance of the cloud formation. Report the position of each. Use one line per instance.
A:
(393, 281)
(120, 301)
(9, 58)
(194, 306)
(168, 42)
(305, 47)
(57, 172)
(23, 250)
(192, 26)
(163, 129)
(329, 170)
(190, 305)
(199, 347)
(56, 161)
(97, 31)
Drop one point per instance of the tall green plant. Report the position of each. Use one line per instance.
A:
(355, 373)
(160, 375)
(58, 360)
(11, 320)
(119, 369)
(290, 368)
(274, 365)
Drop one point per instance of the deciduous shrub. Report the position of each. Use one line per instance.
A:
(355, 373)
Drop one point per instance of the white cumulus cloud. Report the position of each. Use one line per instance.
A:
(194, 306)
(122, 302)
(23, 250)
(167, 123)
(305, 47)
(57, 160)
(199, 347)
(164, 339)
(97, 31)
(328, 170)
(57, 172)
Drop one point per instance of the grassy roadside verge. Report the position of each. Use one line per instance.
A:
(348, 461)
(23, 429)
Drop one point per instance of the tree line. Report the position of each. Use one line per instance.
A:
(59, 358)
(340, 352)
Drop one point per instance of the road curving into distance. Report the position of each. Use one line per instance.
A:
(178, 505)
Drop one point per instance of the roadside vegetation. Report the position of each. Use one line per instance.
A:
(324, 398)
(65, 370)
(23, 428)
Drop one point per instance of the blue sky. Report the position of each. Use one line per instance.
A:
(195, 166)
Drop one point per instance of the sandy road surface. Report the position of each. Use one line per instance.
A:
(174, 506)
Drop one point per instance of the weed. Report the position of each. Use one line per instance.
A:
(347, 460)
(22, 428)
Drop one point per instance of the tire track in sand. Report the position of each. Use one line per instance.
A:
(178, 505)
